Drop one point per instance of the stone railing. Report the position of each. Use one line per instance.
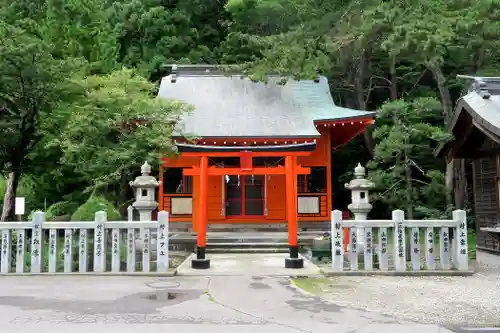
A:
(24, 249)
(384, 244)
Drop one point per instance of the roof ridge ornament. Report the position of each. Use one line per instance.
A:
(483, 90)
(173, 78)
(177, 70)
(480, 84)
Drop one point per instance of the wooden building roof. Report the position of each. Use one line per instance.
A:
(476, 117)
(237, 107)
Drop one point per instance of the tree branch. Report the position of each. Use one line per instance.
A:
(390, 188)
(416, 82)
(382, 78)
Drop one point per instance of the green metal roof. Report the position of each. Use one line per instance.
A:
(235, 106)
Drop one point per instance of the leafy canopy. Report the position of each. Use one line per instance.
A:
(33, 84)
(116, 125)
(403, 167)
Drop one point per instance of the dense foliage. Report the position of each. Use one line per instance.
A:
(66, 99)
(86, 212)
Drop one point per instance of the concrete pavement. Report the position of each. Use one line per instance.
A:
(248, 264)
(185, 304)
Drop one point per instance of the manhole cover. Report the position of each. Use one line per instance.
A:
(161, 296)
(164, 284)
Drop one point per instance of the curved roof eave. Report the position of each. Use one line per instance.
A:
(368, 114)
(186, 147)
(485, 111)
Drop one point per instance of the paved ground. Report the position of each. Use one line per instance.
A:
(184, 304)
(258, 296)
(268, 264)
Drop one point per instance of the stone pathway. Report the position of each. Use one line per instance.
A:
(267, 264)
(182, 304)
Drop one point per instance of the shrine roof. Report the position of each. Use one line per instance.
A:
(482, 102)
(235, 106)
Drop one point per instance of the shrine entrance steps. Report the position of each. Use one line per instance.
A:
(254, 226)
(247, 247)
(241, 242)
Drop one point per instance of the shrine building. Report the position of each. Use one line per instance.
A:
(261, 153)
(475, 126)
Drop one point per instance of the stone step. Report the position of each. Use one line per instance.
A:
(232, 238)
(247, 250)
(246, 245)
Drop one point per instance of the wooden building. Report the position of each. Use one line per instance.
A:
(475, 125)
(262, 153)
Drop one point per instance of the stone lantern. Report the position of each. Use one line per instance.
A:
(145, 186)
(360, 200)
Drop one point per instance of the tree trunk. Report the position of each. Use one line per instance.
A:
(394, 94)
(360, 98)
(449, 182)
(455, 173)
(459, 183)
(394, 78)
(9, 199)
(477, 59)
(409, 192)
(444, 93)
(408, 181)
(409, 202)
(124, 195)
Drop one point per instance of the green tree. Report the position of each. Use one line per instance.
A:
(445, 36)
(81, 29)
(371, 51)
(33, 84)
(116, 125)
(403, 162)
(154, 33)
(76, 28)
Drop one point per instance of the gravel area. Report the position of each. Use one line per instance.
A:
(447, 301)
(177, 258)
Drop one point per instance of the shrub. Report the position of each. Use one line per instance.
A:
(60, 208)
(86, 212)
